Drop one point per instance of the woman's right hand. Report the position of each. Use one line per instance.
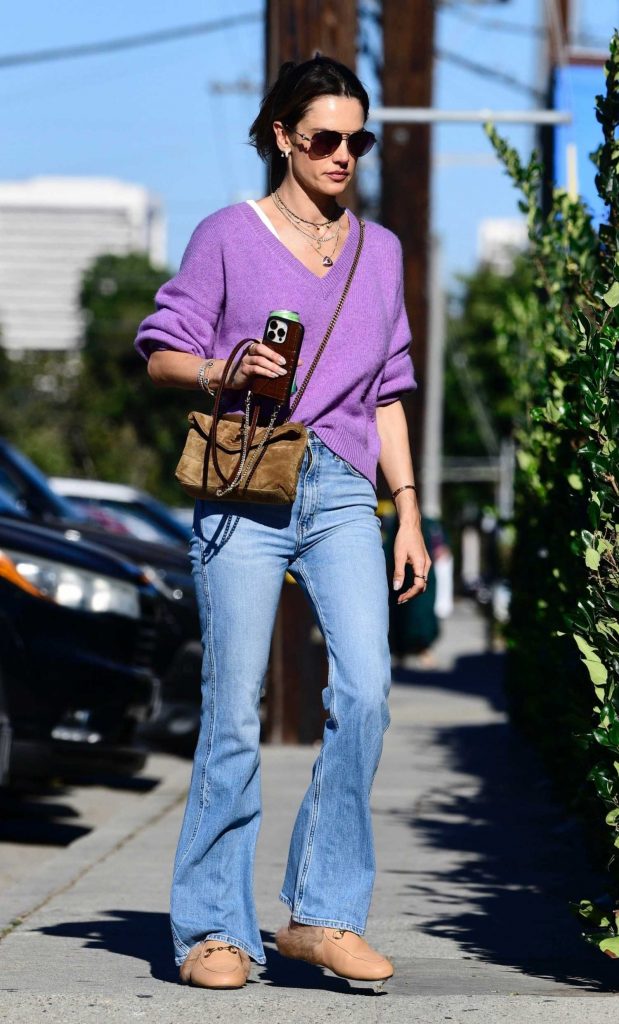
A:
(258, 361)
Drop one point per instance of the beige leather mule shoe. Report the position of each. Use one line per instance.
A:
(346, 954)
(213, 964)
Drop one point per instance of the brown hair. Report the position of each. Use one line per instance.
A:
(289, 97)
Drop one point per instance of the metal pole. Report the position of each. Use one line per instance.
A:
(430, 115)
(433, 409)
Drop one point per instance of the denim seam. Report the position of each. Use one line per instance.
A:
(321, 922)
(312, 828)
(178, 942)
(204, 794)
(310, 496)
(325, 633)
(320, 762)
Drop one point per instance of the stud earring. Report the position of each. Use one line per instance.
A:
(285, 152)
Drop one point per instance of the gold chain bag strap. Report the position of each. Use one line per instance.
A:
(229, 456)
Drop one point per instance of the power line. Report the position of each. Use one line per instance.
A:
(488, 72)
(126, 42)
(494, 24)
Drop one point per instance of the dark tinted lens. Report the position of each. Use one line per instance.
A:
(325, 143)
(360, 143)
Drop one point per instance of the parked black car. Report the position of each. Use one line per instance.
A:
(178, 652)
(78, 628)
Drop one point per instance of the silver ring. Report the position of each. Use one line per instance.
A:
(420, 577)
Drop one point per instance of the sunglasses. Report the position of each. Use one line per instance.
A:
(324, 143)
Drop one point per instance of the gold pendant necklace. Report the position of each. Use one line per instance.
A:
(327, 261)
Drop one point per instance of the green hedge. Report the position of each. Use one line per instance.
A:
(558, 342)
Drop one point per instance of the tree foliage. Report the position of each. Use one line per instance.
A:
(132, 431)
(558, 344)
(95, 413)
(474, 363)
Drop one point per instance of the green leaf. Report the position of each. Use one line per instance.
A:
(610, 947)
(592, 660)
(575, 481)
(592, 559)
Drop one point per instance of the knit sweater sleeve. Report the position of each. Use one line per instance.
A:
(188, 306)
(398, 374)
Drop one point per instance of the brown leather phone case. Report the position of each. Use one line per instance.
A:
(278, 388)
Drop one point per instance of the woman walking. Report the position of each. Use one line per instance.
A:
(293, 250)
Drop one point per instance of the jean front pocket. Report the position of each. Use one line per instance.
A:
(351, 469)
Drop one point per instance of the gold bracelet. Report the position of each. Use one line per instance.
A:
(404, 487)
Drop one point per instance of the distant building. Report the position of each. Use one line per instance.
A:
(51, 230)
(499, 240)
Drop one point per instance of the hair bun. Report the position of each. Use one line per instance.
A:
(285, 69)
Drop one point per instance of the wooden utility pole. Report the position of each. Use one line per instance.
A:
(408, 46)
(298, 666)
(559, 31)
(555, 54)
(296, 28)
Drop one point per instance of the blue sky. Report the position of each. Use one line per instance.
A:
(150, 115)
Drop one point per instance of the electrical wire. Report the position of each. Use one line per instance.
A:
(126, 42)
(494, 24)
(488, 72)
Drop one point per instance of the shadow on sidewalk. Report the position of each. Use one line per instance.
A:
(145, 936)
(517, 858)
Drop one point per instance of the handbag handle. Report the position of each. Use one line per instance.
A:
(323, 344)
(215, 414)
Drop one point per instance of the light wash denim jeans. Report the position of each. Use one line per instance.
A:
(330, 541)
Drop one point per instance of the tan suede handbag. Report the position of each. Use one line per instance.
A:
(229, 456)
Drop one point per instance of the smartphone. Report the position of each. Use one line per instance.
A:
(283, 333)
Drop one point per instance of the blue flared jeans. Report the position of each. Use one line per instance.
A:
(330, 541)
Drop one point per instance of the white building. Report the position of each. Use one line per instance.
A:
(51, 230)
(499, 240)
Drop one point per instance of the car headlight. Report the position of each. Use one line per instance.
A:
(69, 586)
(158, 579)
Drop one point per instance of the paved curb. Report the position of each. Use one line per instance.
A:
(61, 871)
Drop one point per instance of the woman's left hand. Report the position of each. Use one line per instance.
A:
(410, 549)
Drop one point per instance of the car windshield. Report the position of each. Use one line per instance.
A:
(9, 505)
(137, 519)
(27, 487)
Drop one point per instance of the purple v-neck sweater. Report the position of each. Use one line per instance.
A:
(235, 271)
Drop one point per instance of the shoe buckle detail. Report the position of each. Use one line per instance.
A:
(215, 949)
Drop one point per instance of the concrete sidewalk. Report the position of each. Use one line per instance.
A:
(476, 867)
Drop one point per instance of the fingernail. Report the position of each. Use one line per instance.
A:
(282, 360)
(397, 584)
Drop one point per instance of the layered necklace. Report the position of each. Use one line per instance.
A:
(299, 223)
